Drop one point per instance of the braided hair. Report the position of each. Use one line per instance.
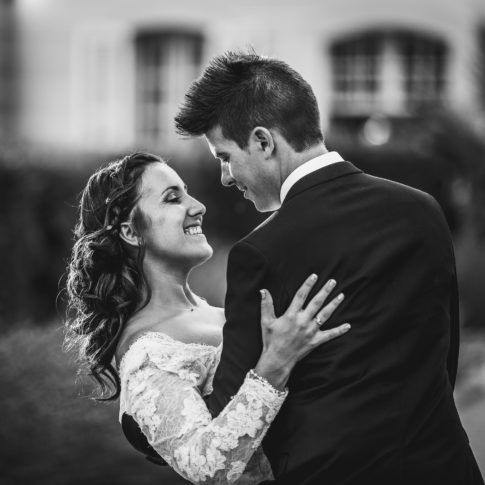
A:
(106, 283)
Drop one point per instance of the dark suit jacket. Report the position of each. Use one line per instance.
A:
(376, 405)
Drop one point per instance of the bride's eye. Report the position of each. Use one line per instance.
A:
(172, 198)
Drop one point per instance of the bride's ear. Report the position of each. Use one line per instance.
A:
(129, 234)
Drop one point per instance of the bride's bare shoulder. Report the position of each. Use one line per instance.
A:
(221, 316)
(135, 327)
(126, 339)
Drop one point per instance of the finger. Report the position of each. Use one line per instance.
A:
(333, 333)
(302, 293)
(326, 312)
(319, 299)
(267, 307)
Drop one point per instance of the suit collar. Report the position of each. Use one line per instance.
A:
(323, 175)
(308, 167)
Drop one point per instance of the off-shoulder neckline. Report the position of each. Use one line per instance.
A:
(171, 339)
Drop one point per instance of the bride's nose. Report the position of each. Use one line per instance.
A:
(196, 208)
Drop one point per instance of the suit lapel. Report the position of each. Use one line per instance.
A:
(321, 176)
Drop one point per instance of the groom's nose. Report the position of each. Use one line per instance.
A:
(226, 177)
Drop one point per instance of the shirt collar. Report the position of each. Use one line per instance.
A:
(307, 168)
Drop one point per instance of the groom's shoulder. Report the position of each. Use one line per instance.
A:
(392, 189)
(267, 223)
(414, 195)
(405, 202)
(259, 234)
(267, 233)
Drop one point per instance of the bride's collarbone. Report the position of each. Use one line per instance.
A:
(201, 326)
(189, 330)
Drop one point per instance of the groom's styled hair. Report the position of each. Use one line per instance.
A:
(239, 91)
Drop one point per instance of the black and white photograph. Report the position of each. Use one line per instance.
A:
(244, 242)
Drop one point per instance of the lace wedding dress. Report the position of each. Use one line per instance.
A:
(162, 384)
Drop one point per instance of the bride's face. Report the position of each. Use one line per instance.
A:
(174, 219)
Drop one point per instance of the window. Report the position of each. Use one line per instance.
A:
(424, 70)
(167, 63)
(355, 64)
(394, 73)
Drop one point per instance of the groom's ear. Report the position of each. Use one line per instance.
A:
(262, 140)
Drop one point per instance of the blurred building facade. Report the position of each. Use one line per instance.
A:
(8, 54)
(108, 75)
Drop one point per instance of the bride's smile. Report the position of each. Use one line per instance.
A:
(173, 233)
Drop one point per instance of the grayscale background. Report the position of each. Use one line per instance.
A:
(401, 89)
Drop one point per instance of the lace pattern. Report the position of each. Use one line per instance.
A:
(163, 381)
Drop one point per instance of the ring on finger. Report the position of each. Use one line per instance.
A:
(318, 321)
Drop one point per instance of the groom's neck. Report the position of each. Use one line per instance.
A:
(293, 159)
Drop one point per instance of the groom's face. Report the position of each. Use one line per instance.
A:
(246, 169)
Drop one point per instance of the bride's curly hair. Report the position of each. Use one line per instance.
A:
(106, 283)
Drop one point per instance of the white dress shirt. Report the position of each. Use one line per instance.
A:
(307, 168)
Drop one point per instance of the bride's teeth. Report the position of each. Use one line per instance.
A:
(192, 231)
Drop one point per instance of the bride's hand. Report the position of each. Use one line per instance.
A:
(297, 332)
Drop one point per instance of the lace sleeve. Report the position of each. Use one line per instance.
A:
(165, 400)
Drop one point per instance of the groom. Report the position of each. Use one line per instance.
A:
(375, 407)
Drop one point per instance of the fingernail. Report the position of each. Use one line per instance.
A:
(340, 297)
(263, 294)
(332, 283)
(347, 326)
(314, 277)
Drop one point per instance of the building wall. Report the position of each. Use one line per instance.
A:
(78, 57)
(7, 70)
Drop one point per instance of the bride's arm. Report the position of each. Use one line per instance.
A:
(161, 394)
(173, 416)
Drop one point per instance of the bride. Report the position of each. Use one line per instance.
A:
(148, 340)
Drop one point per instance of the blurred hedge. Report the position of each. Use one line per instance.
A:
(36, 220)
(51, 434)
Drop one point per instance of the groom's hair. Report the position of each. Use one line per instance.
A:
(239, 91)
